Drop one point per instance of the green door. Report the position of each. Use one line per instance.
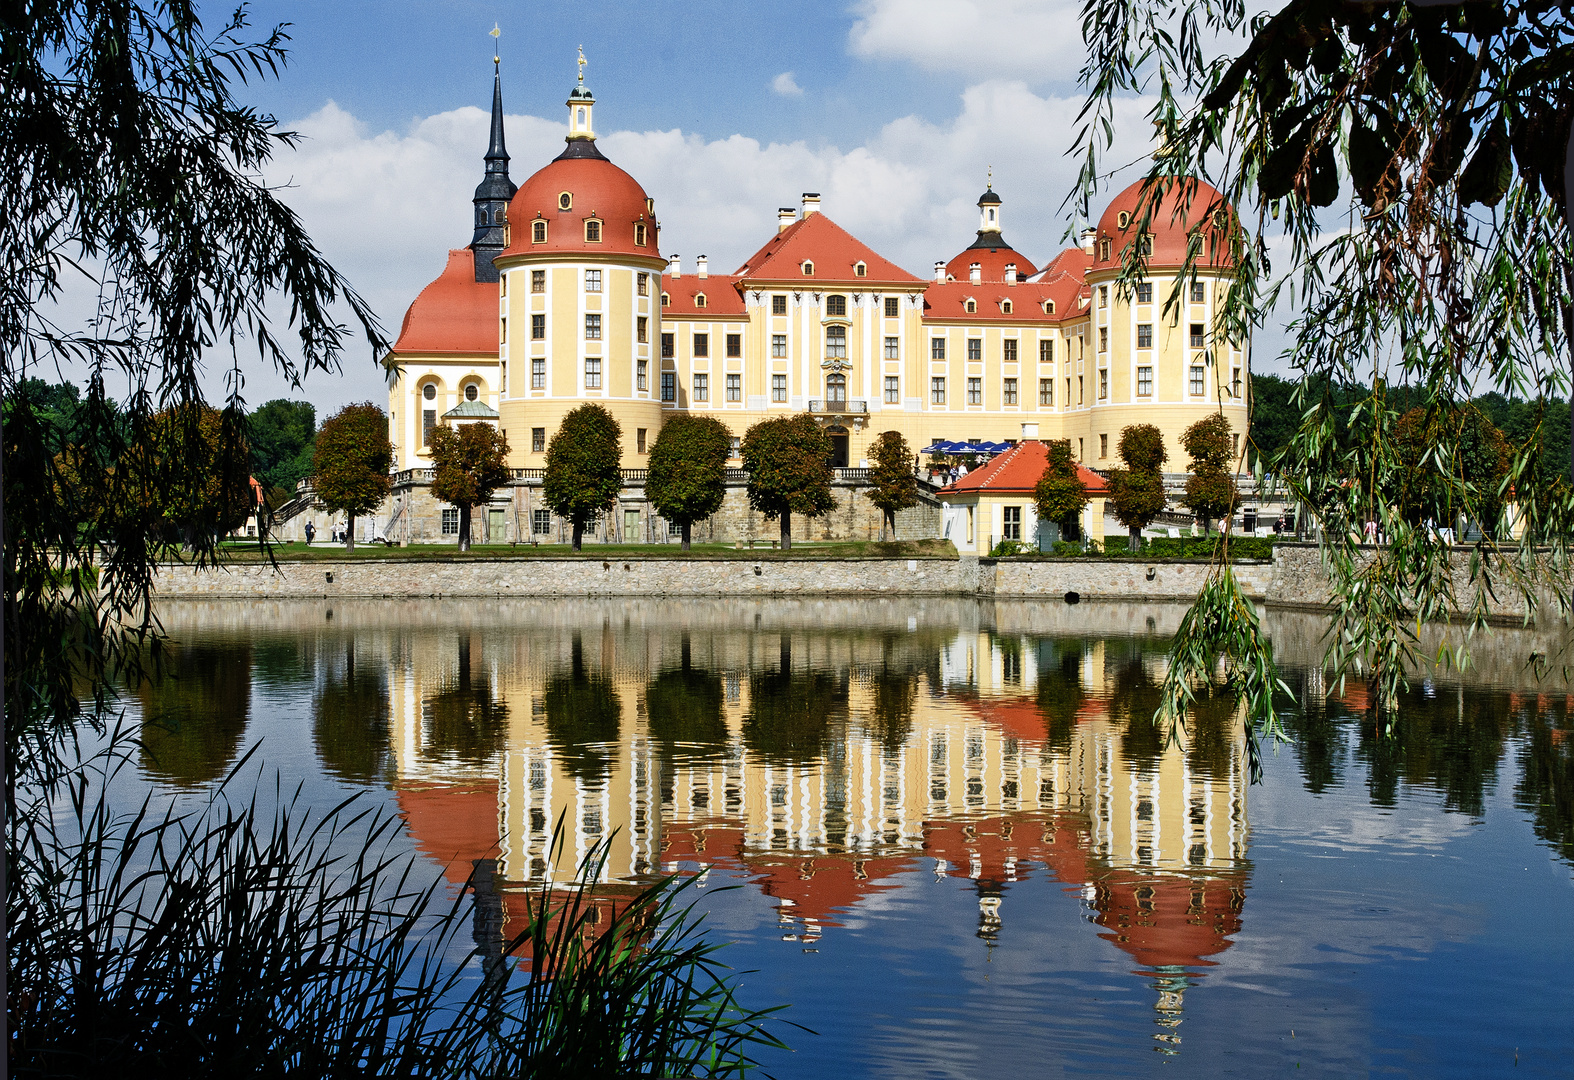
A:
(631, 530)
(496, 526)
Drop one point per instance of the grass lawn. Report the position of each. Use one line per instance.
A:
(242, 552)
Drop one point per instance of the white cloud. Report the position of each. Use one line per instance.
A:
(1036, 40)
(785, 85)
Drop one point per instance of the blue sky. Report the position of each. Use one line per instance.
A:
(893, 109)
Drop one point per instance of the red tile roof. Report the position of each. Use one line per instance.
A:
(991, 263)
(456, 315)
(722, 298)
(1017, 471)
(1188, 203)
(594, 186)
(834, 252)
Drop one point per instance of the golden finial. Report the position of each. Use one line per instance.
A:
(496, 32)
(582, 63)
(991, 177)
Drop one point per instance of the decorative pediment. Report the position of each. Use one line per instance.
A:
(836, 364)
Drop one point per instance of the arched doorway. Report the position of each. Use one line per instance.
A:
(839, 441)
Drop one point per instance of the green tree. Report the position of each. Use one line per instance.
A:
(350, 464)
(282, 435)
(1060, 494)
(1478, 466)
(1210, 489)
(687, 480)
(584, 467)
(202, 465)
(468, 464)
(1136, 492)
(789, 463)
(892, 484)
(1274, 418)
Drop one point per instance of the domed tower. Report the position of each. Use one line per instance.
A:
(581, 297)
(989, 257)
(1151, 367)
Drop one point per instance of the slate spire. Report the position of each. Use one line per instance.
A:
(494, 191)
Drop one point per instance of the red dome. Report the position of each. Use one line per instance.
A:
(1187, 203)
(991, 261)
(596, 190)
(454, 315)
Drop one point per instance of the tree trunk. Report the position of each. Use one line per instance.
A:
(464, 528)
(688, 527)
(349, 532)
(786, 530)
(579, 533)
(891, 517)
(1134, 540)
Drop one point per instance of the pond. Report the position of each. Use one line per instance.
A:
(963, 849)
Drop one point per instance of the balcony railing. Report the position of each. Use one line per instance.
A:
(856, 405)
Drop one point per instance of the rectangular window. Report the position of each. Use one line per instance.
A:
(450, 521)
(538, 440)
(735, 448)
(1008, 350)
(893, 307)
(1198, 295)
(702, 387)
(538, 281)
(1145, 380)
(669, 386)
(1196, 335)
(668, 346)
(778, 345)
(937, 348)
(734, 387)
(644, 284)
(538, 373)
(836, 307)
(592, 327)
(1008, 392)
(642, 375)
(893, 348)
(937, 390)
(639, 440)
(1103, 296)
(592, 280)
(1046, 352)
(541, 522)
(538, 327)
(1103, 383)
(779, 304)
(1144, 335)
(778, 388)
(1235, 382)
(1103, 446)
(1046, 391)
(975, 348)
(893, 390)
(642, 330)
(836, 341)
(701, 344)
(503, 331)
(592, 373)
(1080, 397)
(1011, 526)
(975, 391)
(734, 345)
(1103, 339)
(428, 422)
(1144, 292)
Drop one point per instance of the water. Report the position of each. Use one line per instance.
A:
(962, 848)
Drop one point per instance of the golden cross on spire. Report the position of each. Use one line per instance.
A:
(496, 32)
(582, 63)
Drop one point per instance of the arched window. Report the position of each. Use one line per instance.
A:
(699, 299)
(836, 388)
(1005, 307)
(639, 235)
(836, 306)
(970, 305)
(565, 201)
(538, 233)
(808, 268)
(592, 231)
(860, 269)
(1049, 307)
(429, 391)
(665, 299)
(836, 341)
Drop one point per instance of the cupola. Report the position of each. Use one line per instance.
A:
(581, 104)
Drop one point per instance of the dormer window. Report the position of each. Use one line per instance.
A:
(639, 235)
(1104, 251)
(859, 269)
(592, 231)
(1123, 219)
(538, 232)
(1145, 245)
(808, 268)
(1005, 307)
(699, 299)
(650, 206)
(565, 201)
(665, 300)
(1049, 307)
(970, 305)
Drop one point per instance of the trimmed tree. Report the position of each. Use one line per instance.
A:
(350, 464)
(789, 463)
(1136, 492)
(1210, 489)
(688, 470)
(1060, 494)
(584, 467)
(469, 463)
(892, 484)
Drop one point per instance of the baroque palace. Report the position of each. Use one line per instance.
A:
(562, 298)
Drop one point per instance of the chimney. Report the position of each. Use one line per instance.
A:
(1029, 431)
(674, 267)
(1011, 273)
(1087, 237)
(811, 203)
(702, 266)
(975, 274)
(940, 272)
(785, 216)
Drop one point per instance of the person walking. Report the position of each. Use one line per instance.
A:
(311, 531)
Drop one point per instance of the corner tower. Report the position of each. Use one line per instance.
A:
(494, 191)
